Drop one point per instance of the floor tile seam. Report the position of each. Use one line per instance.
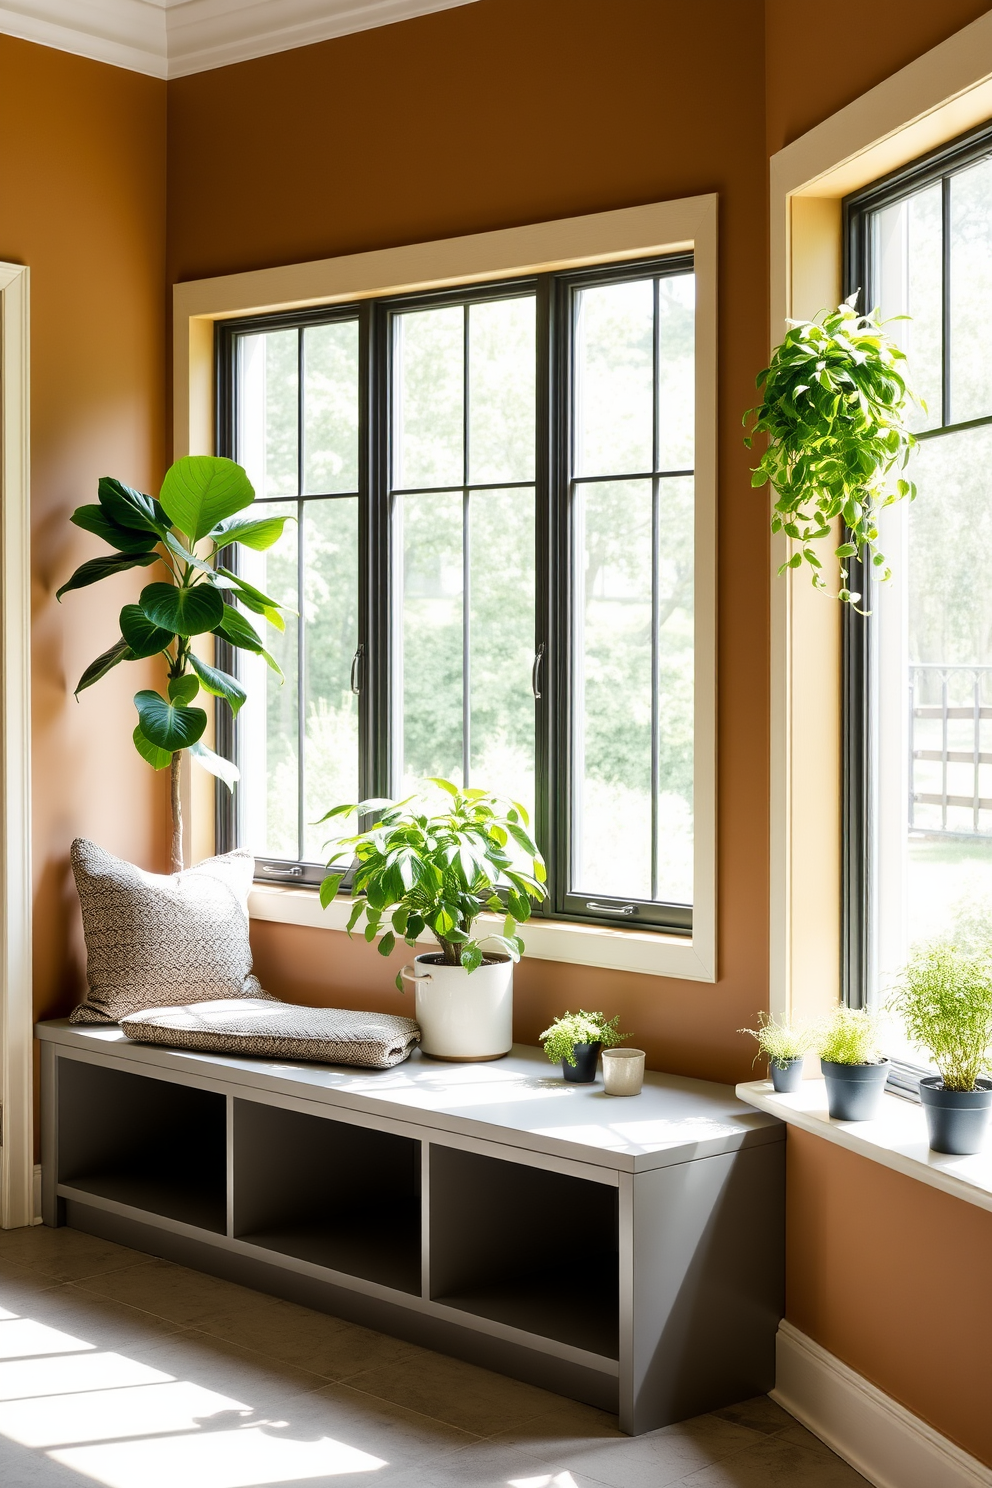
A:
(412, 1410)
(131, 1306)
(89, 1276)
(271, 1360)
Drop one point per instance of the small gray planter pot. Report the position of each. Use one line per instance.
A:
(583, 1071)
(786, 1077)
(854, 1091)
(957, 1120)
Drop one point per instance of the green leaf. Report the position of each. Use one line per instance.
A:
(130, 508)
(224, 769)
(119, 651)
(255, 532)
(329, 888)
(157, 758)
(253, 599)
(169, 725)
(445, 785)
(185, 611)
(200, 490)
(96, 569)
(387, 943)
(219, 684)
(126, 539)
(144, 638)
(183, 689)
(241, 633)
(472, 958)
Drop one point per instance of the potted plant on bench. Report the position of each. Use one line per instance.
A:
(575, 1040)
(944, 1000)
(854, 1070)
(421, 870)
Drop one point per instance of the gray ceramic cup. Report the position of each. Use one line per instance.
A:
(623, 1071)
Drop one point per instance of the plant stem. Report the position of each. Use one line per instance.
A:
(449, 952)
(177, 813)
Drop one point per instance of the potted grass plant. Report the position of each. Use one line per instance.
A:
(784, 1045)
(944, 1000)
(575, 1040)
(436, 868)
(853, 1068)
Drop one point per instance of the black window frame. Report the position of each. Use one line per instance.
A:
(555, 298)
(859, 630)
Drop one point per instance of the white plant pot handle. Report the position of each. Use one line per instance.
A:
(411, 974)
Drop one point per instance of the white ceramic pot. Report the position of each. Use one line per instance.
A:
(463, 1015)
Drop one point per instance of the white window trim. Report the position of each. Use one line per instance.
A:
(937, 97)
(16, 1010)
(605, 237)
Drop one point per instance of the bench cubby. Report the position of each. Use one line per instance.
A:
(628, 1253)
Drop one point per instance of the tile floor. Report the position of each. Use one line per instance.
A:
(127, 1371)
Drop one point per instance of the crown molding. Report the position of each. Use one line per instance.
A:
(174, 38)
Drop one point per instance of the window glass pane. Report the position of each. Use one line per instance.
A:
(971, 292)
(268, 380)
(906, 246)
(614, 358)
(330, 615)
(612, 689)
(428, 360)
(267, 723)
(501, 390)
(502, 643)
(676, 520)
(330, 407)
(427, 639)
(676, 371)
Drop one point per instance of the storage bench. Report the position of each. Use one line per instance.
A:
(626, 1252)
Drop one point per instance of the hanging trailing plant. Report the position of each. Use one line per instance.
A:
(184, 530)
(833, 401)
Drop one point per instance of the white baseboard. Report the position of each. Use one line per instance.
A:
(880, 1438)
(36, 1208)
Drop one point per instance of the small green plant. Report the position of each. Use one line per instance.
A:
(832, 407)
(779, 1042)
(849, 1036)
(579, 1028)
(439, 870)
(944, 999)
(198, 515)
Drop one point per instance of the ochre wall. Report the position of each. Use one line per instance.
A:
(490, 115)
(82, 202)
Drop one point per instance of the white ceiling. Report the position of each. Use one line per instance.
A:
(172, 38)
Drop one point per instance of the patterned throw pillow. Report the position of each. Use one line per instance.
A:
(162, 940)
(280, 1031)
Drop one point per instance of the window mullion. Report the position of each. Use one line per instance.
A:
(466, 563)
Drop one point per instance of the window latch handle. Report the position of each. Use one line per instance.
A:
(535, 676)
(356, 662)
(617, 909)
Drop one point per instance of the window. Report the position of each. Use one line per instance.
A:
(492, 566)
(918, 690)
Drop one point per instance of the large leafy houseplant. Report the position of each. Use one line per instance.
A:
(439, 870)
(833, 399)
(199, 512)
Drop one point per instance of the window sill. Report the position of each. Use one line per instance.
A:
(644, 951)
(898, 1139)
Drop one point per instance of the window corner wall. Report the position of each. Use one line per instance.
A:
(933, 100)
(578, 243)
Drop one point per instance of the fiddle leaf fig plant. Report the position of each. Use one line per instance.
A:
(199, 511)
(833, 400)
(438, 870)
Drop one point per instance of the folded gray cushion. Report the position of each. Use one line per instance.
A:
(280, 1030)
(157, 940)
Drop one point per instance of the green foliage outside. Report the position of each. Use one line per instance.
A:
(833, 401)
(196, 516)
(944, 999)
(780, 1042)
(849, 1036)
(579, 1028)
(438, 871)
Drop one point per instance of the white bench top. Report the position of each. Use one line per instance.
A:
(520, 1101)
